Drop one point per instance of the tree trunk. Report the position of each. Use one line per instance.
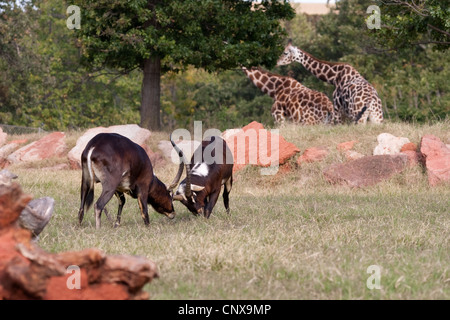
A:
(150, 94)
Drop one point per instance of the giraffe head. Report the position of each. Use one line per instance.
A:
(289, 54)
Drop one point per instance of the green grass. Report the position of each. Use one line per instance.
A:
(289, 236)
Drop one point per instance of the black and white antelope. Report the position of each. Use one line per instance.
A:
(122, 167)
(211, 166)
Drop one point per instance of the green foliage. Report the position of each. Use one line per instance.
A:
(406, 23)
(172, 35)
(41, 81)
(18, 62)
(220, 100)
(43, 84)
(410, 81)
(214, 35)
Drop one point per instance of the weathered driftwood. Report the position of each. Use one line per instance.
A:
(28, 272)
(6, 177)
(37, 213)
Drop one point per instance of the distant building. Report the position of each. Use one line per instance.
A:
(312, 8)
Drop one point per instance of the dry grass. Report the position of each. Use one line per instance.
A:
(289, 236)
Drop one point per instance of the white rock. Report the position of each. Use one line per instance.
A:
(389, 144)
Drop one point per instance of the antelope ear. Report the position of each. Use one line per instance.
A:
(197, 188)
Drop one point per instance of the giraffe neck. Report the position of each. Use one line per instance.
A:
(268, 82)
(323, 70)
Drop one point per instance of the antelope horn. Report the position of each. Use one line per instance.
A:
(187, 192)
(177, 177)
(180, 168)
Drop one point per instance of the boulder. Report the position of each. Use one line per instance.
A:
(132, 131)
(414, 158)
(6, 177)
(36, 215)
(7, 149)
(366, 171)
(408, 147)
(3, 136)
(254, 145)
(28, 272)
(37, 212)
(313, 154)
(52, 145)
(437, 159)
(389, 144)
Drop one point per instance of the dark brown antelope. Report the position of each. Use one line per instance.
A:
(211, 166)
(122, 167)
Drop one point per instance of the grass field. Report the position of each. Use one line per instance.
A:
(289, 236)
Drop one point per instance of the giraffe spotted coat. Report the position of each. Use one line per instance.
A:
(292, 100)
(354, 97)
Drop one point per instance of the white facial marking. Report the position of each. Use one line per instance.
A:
(180, 190)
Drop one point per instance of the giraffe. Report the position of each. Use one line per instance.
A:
(292, 100)
(353, 97)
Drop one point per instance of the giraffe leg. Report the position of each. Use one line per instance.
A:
(376, 111)
(277, 113)
(363, 115)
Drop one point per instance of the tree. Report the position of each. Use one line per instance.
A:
(407, 23)
(17, 60)
(156, 36)
(409, 80)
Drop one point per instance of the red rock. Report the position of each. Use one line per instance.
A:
(414, 157)
(437, 159)
(7, 149)
(52, 145)
(409, 147)
(366, 171)
(254, 126)
(28, 272)
(254, 145)
(131, 131)
(348, 145)
(313, 154)
(156, 159)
